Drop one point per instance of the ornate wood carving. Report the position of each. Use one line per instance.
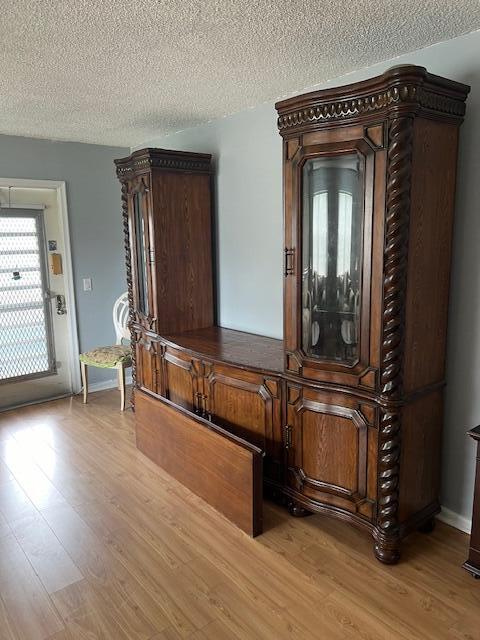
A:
(394, 288)
(147, 159)
(408, 88)
(128, 267)
(395, 254)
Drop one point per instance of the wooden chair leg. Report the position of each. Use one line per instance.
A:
(83, 367)
(121, 384)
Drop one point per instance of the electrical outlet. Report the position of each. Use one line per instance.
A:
(87, 284)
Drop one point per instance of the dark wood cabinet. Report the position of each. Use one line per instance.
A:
(168, 240)
(472, 565)
(346, 413)
(369, 186)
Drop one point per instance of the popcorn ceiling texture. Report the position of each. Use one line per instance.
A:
(117, 72)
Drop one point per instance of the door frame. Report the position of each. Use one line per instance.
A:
(59, 186)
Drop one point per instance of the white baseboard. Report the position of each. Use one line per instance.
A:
(107, 384)
(455, 520)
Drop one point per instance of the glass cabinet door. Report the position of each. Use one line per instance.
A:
(332, 229)
(141, 276)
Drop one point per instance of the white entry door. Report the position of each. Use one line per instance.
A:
(34, 332)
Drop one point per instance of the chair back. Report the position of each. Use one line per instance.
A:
(120, 318)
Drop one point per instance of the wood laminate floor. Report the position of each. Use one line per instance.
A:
(97, 542)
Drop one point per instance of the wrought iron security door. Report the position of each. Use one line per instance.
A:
(26, 339)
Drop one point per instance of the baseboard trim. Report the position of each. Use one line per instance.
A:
(455, 520)
(106, 384)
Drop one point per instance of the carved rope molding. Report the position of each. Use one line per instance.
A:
(128, 265)
(394, 285)
(356, 106)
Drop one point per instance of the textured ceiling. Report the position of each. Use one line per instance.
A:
(120, 72)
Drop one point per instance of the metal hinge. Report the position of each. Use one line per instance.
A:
(289, 262)
(288, 436)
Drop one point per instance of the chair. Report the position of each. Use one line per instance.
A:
(117, 356)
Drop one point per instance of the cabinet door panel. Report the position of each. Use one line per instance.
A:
(334, 196)
(182, 381)
(248, 405)
(141, 248)
(147, 360)
(332, 449)
(326, 440)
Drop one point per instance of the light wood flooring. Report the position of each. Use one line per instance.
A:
(97, 542)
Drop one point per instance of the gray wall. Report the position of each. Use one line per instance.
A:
(96, 231)
(247, 149)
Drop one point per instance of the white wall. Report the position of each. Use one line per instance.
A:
(247, 150)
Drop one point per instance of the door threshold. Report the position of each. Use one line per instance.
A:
(40, 401)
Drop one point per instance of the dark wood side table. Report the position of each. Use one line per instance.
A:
(473, 563)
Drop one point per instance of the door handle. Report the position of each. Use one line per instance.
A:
(60, 305)
(288, 436)
(201, 405)
(197, 403)
(289, 262)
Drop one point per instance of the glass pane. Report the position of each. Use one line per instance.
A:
(333, 195)
(141, 258)
(25, 347)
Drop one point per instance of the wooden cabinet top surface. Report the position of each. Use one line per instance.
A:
(233, 347)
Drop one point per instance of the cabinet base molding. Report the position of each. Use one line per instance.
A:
(428, 526)
(474, 571)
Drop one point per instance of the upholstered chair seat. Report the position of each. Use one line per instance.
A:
(108, 357)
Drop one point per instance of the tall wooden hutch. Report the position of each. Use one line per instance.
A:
(346, 413)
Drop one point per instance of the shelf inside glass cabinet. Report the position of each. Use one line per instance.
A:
(333, 206)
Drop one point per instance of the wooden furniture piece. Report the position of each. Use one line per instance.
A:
(369, 187)
(167, 219)
(117, 356)
(348, 410)
(224, 470)
(473, 563)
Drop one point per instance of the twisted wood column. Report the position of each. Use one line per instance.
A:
(128, 266)
(394, 289)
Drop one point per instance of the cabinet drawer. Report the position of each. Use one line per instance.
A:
(217, 466)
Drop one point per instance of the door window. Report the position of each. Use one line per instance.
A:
(26, 346)
(332, 227)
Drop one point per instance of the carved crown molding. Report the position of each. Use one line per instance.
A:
(147, 159)
(419, 91)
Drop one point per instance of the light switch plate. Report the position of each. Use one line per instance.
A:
(87, 284)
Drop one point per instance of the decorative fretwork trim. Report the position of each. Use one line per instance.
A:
(155, 162)
(339, 109)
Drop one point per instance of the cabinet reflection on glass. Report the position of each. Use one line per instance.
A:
(140, 254)
(333, 202)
